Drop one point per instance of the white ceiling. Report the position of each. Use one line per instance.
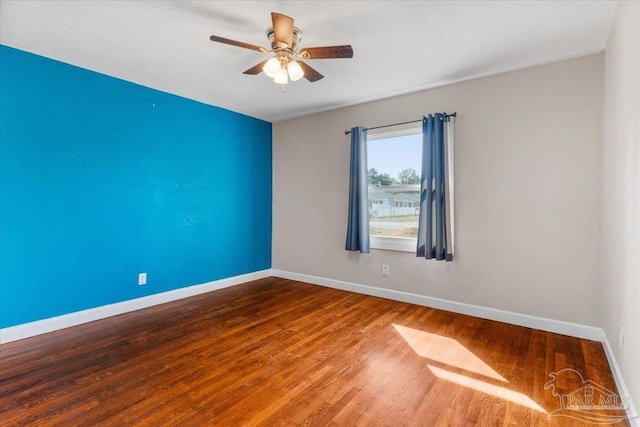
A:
(399, 46)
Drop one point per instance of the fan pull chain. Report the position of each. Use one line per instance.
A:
(284, 92)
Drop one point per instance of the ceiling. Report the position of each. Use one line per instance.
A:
(399, 46)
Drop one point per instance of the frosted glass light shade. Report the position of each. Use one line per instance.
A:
(271, 67)
(295, 71)
(281, 76)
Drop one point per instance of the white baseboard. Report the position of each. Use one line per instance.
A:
(620, 384)
(26, 330)
(544, 324)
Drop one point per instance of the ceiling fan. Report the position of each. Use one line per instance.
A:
(284, 39)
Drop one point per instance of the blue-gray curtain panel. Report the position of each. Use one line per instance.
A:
(435, 223)
(358, 221)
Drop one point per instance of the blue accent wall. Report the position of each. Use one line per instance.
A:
(102, 179)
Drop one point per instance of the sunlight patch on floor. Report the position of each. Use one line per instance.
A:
(446, 350)
(483, 387)
(450, 352)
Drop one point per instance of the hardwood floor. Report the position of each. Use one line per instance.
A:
(276, 352)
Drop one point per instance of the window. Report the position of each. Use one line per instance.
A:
(394, 162)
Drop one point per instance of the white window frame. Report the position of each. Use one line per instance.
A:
(388, 243)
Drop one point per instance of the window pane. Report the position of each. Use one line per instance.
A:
(394, 186)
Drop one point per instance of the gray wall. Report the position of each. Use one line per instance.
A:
(528, 187)
(621, 201)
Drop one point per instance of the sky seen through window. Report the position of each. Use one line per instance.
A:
(391, 155)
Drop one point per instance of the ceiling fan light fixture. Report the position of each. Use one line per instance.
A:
(272, 67)
(281, 76)
(295, 71)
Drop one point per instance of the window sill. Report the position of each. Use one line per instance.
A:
(401, 244)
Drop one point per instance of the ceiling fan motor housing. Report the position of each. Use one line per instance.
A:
(297, 37)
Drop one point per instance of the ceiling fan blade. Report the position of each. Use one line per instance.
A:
(237, 43)
(343, 51)
(256, 69)
(282, 29)
(309, 73)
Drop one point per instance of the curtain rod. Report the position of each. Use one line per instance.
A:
(347, 132)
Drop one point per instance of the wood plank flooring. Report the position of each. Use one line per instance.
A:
(276, 352)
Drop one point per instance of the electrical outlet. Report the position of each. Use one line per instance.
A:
(385, 270)
(621, 337)
(142, 279)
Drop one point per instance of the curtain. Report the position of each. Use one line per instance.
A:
(358, 220)
(435, 221)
